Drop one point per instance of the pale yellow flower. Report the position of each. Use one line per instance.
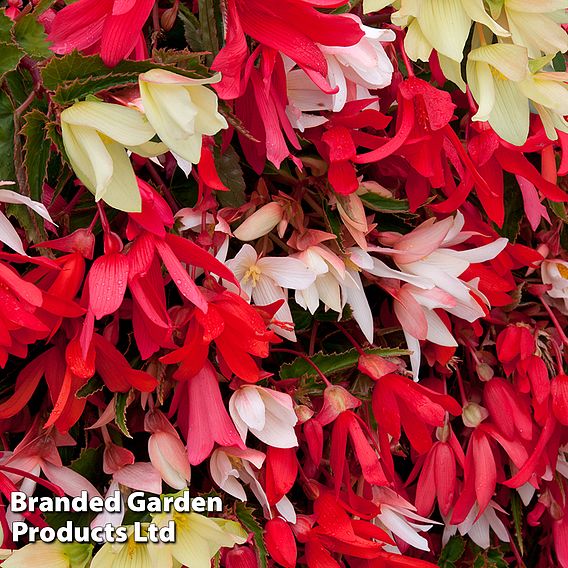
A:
(96, 136)
(181, 110)
(493, 75)
(198, 539)
(53, 555)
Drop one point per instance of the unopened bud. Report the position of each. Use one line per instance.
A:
(484, 372)
(375, 366)
(336, 400)
(241, 557)
(474, 414)
(260, 223)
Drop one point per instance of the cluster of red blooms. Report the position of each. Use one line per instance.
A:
(351, 312)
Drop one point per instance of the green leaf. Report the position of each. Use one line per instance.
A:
(191, 28)
(384, 204)
(88, 69)
(43, 6)
(30, 34)
(514, 211)
(36, 151)
(452, 552)
(6, 138)
(10, 56)
(559, 62)
(93, 385)
(559, 209)
(332, 362)
(231, 174)
(208, 21)
(121, 401)
(517, 511)
(333, 223)
(71, 91)
(5, 28)
(246, 517)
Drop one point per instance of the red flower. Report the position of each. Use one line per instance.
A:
(109, 27)
(238, 331)
(293, 27)
(398, 402)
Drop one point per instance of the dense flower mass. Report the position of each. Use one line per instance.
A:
(306, 258)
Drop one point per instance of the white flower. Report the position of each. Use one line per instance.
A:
(365, 64)
(555, 274)
(431, 271)
(231, 465)
(266, 280)
(479, 530)
(353, 70)
(330, 275)
(267, 413)
(399, 517)
(8, 234)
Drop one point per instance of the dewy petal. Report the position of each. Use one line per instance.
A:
(446, 25)
(287, 272)
(250, 407)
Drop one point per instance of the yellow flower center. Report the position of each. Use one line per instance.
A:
(563, 271)
(253, 273)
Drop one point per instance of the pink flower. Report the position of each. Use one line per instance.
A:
(167, 452)
(203, 416)
(109, 27)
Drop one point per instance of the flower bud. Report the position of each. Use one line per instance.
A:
(280, 542)
(241, 557)
(260, 223)
(335, 401)
(473, 414)
(375, 366)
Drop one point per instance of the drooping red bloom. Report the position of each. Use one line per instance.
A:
(202, 415)
(293, 27)
(399, 402)
(280, 542)
(109, 27)
(236, 328)
(438, 478)
(335, 532)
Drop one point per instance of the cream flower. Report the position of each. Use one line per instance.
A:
(181, 110)
(493, 75)
(444, 24)
(95, 136)
(198, 539)
(53, 555)
(536, 25)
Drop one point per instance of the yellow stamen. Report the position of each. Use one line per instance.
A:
(563, 271)
(253, 273)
